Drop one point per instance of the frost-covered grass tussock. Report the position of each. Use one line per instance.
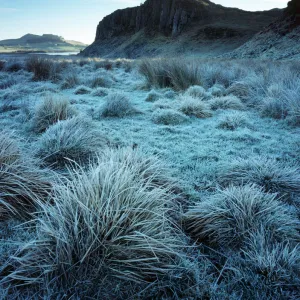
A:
(194, 107)
(231, 215)
(70, 141)
(116, 105)
(22, 184)
(107, 221)
(51, 110)
(149, 179)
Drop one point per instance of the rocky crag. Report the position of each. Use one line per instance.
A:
(279, 40)
(162, 27)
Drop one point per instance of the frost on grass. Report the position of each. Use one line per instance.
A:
(282, 108)
(194, 107)
(278, 263)
(111, 219)
(217, 90)
(22, 183)
(153, 96)
(103, 64)
(170, 94)
(82, 90)
(239, 89)
(100, 92)
(73, 140)
(162, 73)
(117, 105)
(272, 175)
(101, 81)
(51, 110)
(7, 81)
(274, 108)
(266, 270)
(2, 64)
(70, 81)
(197, 91)
(233, 121)
(44, 69)
(227, 102)
(169, 117)
(227, 218)
(14, 66)
(282, 101)
(163, 103)
(86, 234)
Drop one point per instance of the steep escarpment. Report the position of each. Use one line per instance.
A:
(158, 27)
(281, 39)
(168, 17)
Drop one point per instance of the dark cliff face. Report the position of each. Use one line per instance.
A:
(287, 22)
(146, 29)
(165, 16)
(293, 9)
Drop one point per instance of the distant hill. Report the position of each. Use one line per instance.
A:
(172, 27)
(43, 43)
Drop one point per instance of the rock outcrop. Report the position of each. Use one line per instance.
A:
(168, 17)
(134, 31)
(293, 9)
(281, 39)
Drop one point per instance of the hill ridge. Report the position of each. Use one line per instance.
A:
(131, 31)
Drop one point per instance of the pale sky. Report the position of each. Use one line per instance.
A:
(78, 19)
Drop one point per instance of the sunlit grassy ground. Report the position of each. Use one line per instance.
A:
(223, 132)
